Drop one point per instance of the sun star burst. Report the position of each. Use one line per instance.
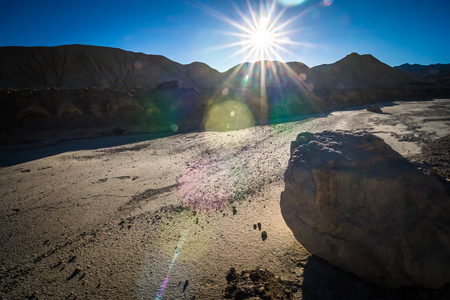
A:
(263, 36)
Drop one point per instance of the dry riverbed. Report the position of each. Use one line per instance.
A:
(170, 217)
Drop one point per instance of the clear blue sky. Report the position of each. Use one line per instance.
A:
(394, 31)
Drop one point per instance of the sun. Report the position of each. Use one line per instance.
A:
(262, 35)
(262, 38)
(262, 32)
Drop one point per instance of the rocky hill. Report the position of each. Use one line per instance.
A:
(66, 91)
(74, 66)
(353, 71)
(363, 71)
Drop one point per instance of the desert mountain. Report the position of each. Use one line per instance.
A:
(362, 71)
(355, 71)
(437, 72)
(76, 90)
(273, 74)
(91, 66)
(75, 66)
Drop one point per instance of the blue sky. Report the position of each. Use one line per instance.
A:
(395, 32)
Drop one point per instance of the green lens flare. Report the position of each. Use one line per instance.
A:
(229, 115)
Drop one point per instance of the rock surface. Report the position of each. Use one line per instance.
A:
(353, 201)
(374, 108)
(259, 284)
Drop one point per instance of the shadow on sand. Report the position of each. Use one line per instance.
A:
(16, 154)
(11, 155)
(324, 281)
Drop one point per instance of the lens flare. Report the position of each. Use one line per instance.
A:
(163, 287)
(291, 2)
(206, 186)
(263, 34)
(229, 115)
(137, 65)
(326, 2)
(174, 127)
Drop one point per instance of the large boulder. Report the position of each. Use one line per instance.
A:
(353, 201)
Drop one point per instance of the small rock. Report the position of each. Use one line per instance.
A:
(374, 108)
(259, 226)
(231, 275)
(74, 273)
(186, 283)
(264, 235)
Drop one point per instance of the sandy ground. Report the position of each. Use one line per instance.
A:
(169, 217)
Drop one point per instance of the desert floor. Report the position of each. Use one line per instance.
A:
(169, 217)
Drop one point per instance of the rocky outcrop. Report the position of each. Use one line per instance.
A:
(29, 115)
(353, 201)
(170, 85)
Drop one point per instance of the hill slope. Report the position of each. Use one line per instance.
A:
(75, 66)
(92, 66)
(53, 92)
(362, 71)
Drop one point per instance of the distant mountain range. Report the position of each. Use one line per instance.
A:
(77, 90)
(437, 72)
(79, 66)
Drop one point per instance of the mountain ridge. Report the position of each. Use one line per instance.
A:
(81, 66)
(439, 73)
(78, 90)
(91, 66)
